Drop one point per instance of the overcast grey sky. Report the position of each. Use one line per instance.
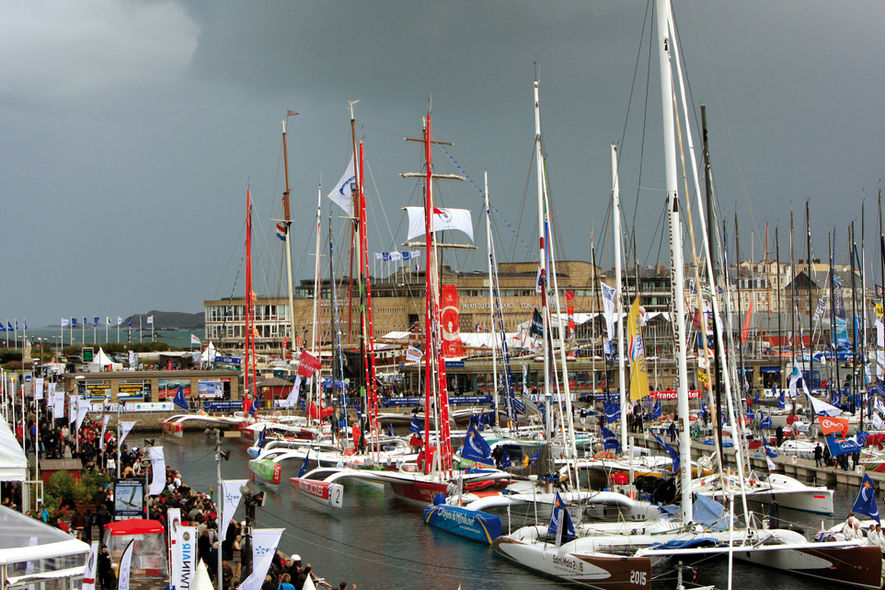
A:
(132, 128)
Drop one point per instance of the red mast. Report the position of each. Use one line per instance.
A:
(431, 326)
(366, 312)
(249, 341)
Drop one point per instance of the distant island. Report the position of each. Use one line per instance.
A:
(169, 320)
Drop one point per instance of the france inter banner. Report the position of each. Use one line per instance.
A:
(842, 446)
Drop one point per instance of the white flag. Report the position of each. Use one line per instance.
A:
(150, 320)
(342, 194)
(89, 572)
(195, 341)
(104, 426)
(442, 219)
(232, 495)
(125, 427)
(73, 410)
(64, 322)
(82, 410)
(173, 518)
(58, 406)
(158, 471)
(50, 395)
(877, 422)
(125, 567)
(264, 546)
(38, 389)
(119, 320)
(771, 465)
(294, 393)
(608, 306)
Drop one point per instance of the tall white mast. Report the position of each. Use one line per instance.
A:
(315, 330)
(619, 306)
(676, 259)
(492, 329)
(542, 262)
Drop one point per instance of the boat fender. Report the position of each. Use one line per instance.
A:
(605, 455)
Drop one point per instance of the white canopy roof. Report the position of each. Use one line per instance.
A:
(26, 539)
(13, 462)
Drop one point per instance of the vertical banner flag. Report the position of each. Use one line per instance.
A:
(158, 471)
(264, 546)
(570, 310)
(125, 428)
(58, 406)
(232, 495)
(82, 410)
(636, 354)
(413, 354)
(104, 426)
(342, 194)
(451, 322)
(89, 572)
(38, 389)
(125, 567)
(72, 410)
(608, 309)
(50, 394)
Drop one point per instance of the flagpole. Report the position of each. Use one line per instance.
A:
(139, 327)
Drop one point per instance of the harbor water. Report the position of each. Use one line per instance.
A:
(379, 541)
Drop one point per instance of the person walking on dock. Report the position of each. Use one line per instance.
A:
(818, 455)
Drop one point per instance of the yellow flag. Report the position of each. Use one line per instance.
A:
(879, 310)
(638, 370)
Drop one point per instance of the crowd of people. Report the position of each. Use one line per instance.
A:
(98, 454)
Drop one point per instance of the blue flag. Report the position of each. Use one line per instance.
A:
(561, 518)
(781, 401)
(2, 327)
(610, 440)
(73, 323)
(771, 454)
(612, 412)
(128, 323)
(866, 499)
(179, 399)
(475, 447)
(389, 429)
(750, 414)
(536, 328)
(303, 469)
(670, 451)
(415, 426)
(861, 437)
(253, 407)
(534, 456)
(262, 438)
(658, 410)
(95, 321)
(841, 446)
(766, 422)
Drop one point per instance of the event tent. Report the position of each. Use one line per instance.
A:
(13, 462)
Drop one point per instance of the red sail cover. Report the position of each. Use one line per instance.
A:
(451, 323)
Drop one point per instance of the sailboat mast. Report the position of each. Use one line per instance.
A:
(315, 324)
(780, 331)
(542, 261)
(851, 247)
(335, 333)
(491, 294)
(353, 222)
(287, 219)
(676, 257)
(619, 301)
(249, 341)
(811, 307)
(366, 312)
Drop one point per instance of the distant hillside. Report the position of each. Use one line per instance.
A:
(166, 320)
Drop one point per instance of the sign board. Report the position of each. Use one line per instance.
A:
(95, 388)
(149, 407)
(228, 360)
(87, 354)
(133, 389)
(128, 498)
(167, 388)
(210, 388)
(222, 405)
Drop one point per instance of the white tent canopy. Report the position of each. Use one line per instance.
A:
(13, 462)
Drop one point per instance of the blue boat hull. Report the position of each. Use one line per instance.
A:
(481, 527)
